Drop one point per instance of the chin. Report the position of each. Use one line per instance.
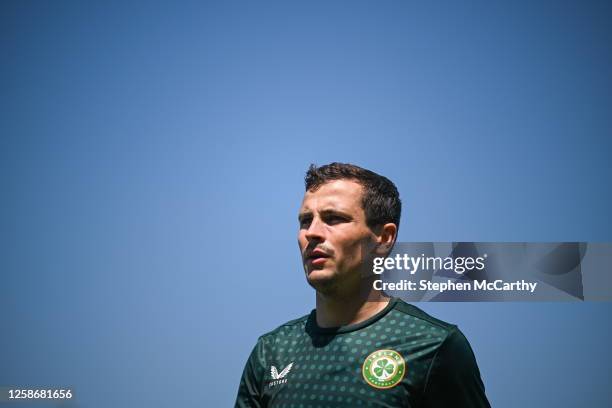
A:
(320, 279)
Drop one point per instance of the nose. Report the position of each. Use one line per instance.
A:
(315, 230)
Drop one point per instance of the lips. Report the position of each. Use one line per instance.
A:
(317, 257)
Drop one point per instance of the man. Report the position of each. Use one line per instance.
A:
(358, 347)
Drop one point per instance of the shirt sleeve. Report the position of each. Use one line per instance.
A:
(454, 379)
(250, 389)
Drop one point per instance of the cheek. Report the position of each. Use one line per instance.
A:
(351, 253)
(301, 239)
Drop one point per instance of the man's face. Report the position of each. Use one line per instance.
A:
(334, 238)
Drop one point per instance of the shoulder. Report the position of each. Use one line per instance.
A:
(451, 339)
(275, 339)
(452, 364)
(445, 339)
(421, 320)
(286, 330)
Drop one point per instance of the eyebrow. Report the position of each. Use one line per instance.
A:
(327, 211)
(304, 214)
(335, 211)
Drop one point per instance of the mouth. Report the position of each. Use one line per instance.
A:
(317, 257)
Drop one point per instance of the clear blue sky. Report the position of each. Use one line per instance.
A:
(151, 153)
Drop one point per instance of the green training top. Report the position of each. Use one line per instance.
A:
(400, 357)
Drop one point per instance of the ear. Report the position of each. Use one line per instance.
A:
(385, 236)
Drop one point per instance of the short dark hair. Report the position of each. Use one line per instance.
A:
(381, 202)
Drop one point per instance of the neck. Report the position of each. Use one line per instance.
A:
(335, 311)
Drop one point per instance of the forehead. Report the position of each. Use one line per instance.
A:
(338, 194)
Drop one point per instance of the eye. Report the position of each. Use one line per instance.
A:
(305, 222)
(333, 219)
